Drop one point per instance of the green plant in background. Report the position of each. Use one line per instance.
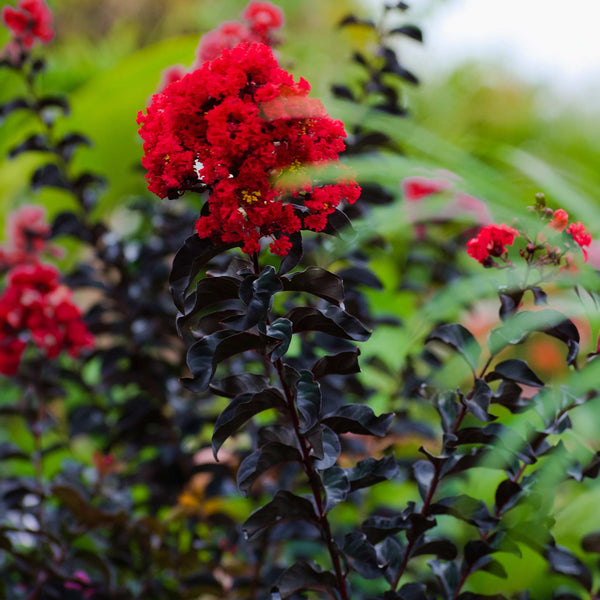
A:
(452, 456)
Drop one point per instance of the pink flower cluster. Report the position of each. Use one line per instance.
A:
(31, 21)
(34, 306)
(234, 127)
(261, 20)
(490, 242)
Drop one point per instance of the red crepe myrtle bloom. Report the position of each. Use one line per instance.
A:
(34, 306)
(559, 220)
(234, 127)
(263, 16)
(491, 241)
(30, 21)
(580, 236)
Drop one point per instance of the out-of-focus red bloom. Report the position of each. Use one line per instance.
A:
(580, 236)
(263, 17)
(27, 233)
(30, 21)
(34, 306)
(491, 241)
(170, 75)
(415, 188)
(235, 126)
(226, 36)
(559, 220)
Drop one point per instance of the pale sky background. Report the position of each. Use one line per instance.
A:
(556, 42)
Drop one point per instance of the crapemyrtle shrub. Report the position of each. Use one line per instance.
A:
(219, 439)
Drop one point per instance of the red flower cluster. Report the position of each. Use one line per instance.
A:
(560, 218)
(580, 237)
(262, 18)
(415, 188)
(27, 231)
(30, 21)
(34, 306)
(233, 127)
(491, 241)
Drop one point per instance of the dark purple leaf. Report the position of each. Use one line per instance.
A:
(34, 143)
(231, 386)
(336, 485)
(49, 175)
(294, 256)
(280, 329)
(332, 320)
(564, 562)
(305, 576)
(317, 281)
(424, 473)
(591, 542)
(467, 509)
(361, 555)
(269, 455)
(411, 31)
(240, 410)
(190, 259)
(344, 363)
(360, 419)
(460, 339)
(308, 401)
(508, 493)
(284, 507)
(442, 548)
(515, 370)
(325, 444)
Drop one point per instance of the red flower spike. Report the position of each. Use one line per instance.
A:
(491, 242)
(580, 237)
(239, 126)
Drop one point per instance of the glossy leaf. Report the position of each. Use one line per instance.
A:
(515, 370)
(343, 363)
(308, 401)
(460, 339)
(358, 418)
(240, 410)
(337, 486)
(267, 456)
(285, 506)
(564, 562)
(370, 471)
(361, 555)
(305, 576)
(332, 320)
(280, 329)
(318, 282)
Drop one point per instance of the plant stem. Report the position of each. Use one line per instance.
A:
(315, 484)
